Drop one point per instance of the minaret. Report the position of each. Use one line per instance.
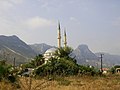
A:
(65, 39)
(59, 36)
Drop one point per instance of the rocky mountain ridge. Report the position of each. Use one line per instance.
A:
(13, 47)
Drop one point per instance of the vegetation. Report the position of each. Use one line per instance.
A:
(113, 69)
(110, 82)
(63, 65)
(6, 72)
(60, 66)
(37, 61)
(59, 73)
(63, 52)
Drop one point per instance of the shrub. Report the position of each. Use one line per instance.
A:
(87, 70)
(11, 78)
(112, 70)
(60, 66)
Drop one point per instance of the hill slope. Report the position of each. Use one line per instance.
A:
(12, 46)
(83, 55)
(40, 48)
(109, 59)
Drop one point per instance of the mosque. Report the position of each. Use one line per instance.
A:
(50, 52)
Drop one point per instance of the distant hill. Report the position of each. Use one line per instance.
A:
(12, 46)
(83, 55)
(40, 48)
(109, 59)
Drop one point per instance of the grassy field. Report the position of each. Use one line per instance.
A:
(109, 82)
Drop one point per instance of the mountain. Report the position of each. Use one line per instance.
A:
(83, 55)
(109, 59)
(12, 46)
(40, 48)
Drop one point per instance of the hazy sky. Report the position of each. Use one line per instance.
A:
(92, 22)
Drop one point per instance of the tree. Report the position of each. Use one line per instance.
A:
(87, 70)
(112, 70)
(63, 52)
(4, 71)
(38, 60)
(2, 62)
(60, 66)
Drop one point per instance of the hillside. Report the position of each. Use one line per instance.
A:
(12, 47)
(40, 48)
(109, 59)
(83, 55)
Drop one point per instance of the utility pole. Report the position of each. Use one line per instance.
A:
(101, 56)
(14, 62)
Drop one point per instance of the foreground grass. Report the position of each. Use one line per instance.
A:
(109, 82)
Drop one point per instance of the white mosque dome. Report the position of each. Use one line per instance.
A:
(49, 53)
(51, 50)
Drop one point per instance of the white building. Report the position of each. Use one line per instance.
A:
(49, 54)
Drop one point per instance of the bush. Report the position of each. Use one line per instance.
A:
(3, 71)
(112, 70)
(87, 70)
(58, 67)
(6, 73)
(11, 78)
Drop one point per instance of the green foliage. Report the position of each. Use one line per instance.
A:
(2, 62)
(11, 78)
(112, 70)
(87, 70)
(60, 66)
(63, 81)
(4, 70)
(117, 66)
(63, 65)
(38, 60)
(63, 52)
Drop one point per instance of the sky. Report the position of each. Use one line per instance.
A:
(92, 22)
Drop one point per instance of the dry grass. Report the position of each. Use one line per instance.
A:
(28, 83)
(7, 86)
(89, 83)
(110, 82)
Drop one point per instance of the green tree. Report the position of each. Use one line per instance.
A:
(2, 62)
(38, 60)
(60, 66)
(4, 71)
(63, 52)
(113, 70)
(117, 66)
(87, 70)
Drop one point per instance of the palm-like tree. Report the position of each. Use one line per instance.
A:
(38, 60)
(63, 52)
